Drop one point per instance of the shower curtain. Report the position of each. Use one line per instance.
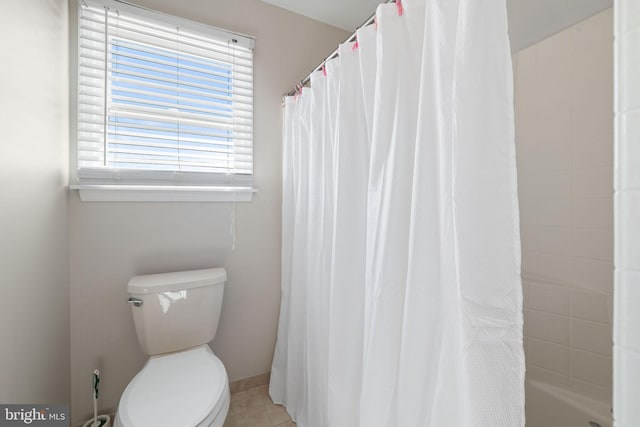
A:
(401, 293)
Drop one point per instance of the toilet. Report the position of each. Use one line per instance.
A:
(183, 384)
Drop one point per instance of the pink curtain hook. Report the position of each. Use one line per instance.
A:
(355, 45)
(324, 69)
(400, 8)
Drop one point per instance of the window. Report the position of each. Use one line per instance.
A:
(162, 101)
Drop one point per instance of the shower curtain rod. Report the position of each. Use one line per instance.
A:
(306, 80)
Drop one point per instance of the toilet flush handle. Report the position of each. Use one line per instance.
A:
(137, 302)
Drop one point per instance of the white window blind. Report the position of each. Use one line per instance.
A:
(162, 100)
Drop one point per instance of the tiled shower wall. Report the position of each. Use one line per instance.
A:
(564, 139)
(626, 410)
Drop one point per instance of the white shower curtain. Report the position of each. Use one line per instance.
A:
(401, 294)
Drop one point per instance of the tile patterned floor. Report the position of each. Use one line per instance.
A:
(251, 405)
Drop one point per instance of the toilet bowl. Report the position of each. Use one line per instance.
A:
(183, 383)
(187, 388)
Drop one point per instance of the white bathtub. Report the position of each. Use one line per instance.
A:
(551, 406)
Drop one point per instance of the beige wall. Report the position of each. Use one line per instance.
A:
(110, 242)
(34, 307)
(627, 259)
(564, 137)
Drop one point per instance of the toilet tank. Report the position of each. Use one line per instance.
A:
(176, 311)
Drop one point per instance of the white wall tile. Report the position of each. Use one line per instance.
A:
(564, 127)
(628, 15)
(628, 154)
(555, 79)
(541, 238)
(629, 70)
(558, 213)
(625, 408)
(548, 355)
(594, 151)
(547, 185)
(590, 305)
(550, 154)
(547, 268)
(593, 212)
(593, 274)
(594, 391)
(550, 377)
(627, 246)
(592, 367)
(548, 298)
(592, 80)
(591, 336)
(628, 227)
(569, 241)
(610, 303)
(547, 326)
(578, 272)
(593, 182)
(628, 309)
(592, 243)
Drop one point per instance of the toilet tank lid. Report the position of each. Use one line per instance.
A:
(153, 283)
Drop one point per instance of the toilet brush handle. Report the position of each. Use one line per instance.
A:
(96, 381)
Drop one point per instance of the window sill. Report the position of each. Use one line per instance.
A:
(162, 193)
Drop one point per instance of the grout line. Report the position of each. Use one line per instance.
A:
(573, 198)
(590, 383)
(565, 346)
(569, 256)
(606, 261)
(570, 227)
(549, 370)
(546, 312)
(569, 347)
(595, 322)
(568, 376)
(578, 350)
(540, 283)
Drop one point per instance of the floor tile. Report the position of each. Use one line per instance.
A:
(251, 406)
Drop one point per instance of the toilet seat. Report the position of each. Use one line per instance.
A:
(184, 389)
